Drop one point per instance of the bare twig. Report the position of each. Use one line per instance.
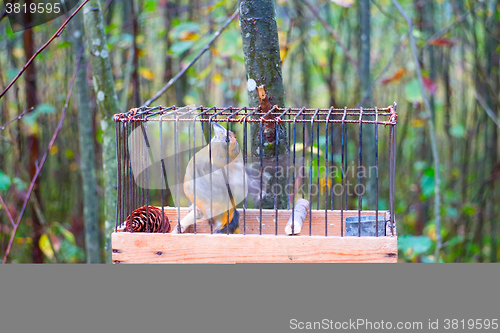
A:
(7, 210)
(490, 113)
(384, 12)
(17, 118)
(332, 32)
(445, 29)
(57, 33)
(432, 132)
(44, 157)
(106, 5)
(185, 68)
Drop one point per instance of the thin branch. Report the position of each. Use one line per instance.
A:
(432, 133)
(106, 6)
(57, 33)
(490, 113)
(44, 157)
(185, 68)
(384, 12)
(445, 29)
(17, 118)
(7, 210)
(332, 32)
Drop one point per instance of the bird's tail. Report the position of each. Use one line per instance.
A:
(233, 226)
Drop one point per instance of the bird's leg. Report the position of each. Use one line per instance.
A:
(192, 215)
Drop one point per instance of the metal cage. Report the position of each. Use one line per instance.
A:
(322, 153)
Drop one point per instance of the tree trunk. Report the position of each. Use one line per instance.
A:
(492, 69)
(135, 72)
(365, 82)
(33, 143)
(108, 105)
(87, 152)
(263, 67)
(330, 79)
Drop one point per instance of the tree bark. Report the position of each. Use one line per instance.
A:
(492, 69)
(33, 143)
(87, 152)
(263, 67)
(108, 105)
(365, 82)
(135, 72)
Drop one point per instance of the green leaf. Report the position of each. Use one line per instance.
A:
(468, 210)
(427, 185)
(181, 47)
(32, 116)
(417, 33)
(458, 131)
(123, 40)
(44, 244)
(239, 58)
(70, 154)
(20, 184)
(150, 6)
(99, 135)
(64, 44)
(412, 91)
(184, 26)
(412, 246)
(68, 235)
(427, 259)
(429, 172)
(456, 240)
(4, 181)
(45, 108)
(420, 165)
(451, 212)
(11, 73)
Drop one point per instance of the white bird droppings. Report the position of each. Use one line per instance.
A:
(96, 42)
(100, 96)
(251, 84)
(104, 54)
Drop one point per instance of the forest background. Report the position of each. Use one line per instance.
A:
(334, 53)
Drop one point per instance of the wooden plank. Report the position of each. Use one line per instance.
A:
(203, 248)
(252, 217)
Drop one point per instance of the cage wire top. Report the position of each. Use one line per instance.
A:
(383, 116)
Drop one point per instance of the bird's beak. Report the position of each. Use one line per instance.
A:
(219, 131)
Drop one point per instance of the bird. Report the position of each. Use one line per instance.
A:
(227, 182)
(140, 218)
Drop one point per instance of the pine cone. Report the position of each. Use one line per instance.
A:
(140, 217)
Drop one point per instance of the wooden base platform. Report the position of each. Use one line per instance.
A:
(252, 247)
